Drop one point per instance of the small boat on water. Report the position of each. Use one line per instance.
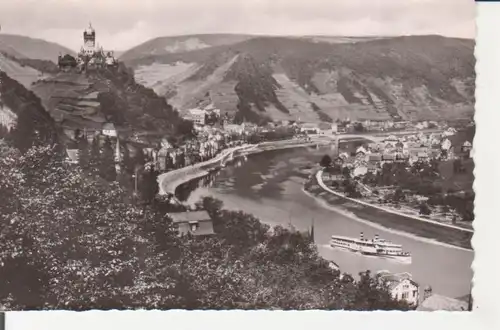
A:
(377, 247)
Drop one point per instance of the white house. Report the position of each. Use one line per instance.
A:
(446, 144)
(327, 128)
(309, 128)
(108, 129)
(72, 156)
(360, 170)
(361, 150)
(197, 116)
(400, 286)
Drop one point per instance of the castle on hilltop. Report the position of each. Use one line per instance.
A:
(90, 57)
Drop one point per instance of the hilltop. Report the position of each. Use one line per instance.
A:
(179, 44)
(32, 48)
(318, 78)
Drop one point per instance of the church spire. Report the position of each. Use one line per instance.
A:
(311, 234)
(118, 156)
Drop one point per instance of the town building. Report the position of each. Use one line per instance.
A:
(72, 156)
(360, 171)
(108, 129)
(449, 132)
(327, 128)
(374, 158)
(67, 62)
(196, 223)
(466, 148)
(309, 128)
(197, 116)
(361, 152)
(400, 286)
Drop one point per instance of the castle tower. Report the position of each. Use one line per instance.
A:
(89, 41)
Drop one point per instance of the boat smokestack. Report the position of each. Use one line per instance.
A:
(361, 236)
(376, 237)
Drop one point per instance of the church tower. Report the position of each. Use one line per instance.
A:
(118, 156)
(89, 47)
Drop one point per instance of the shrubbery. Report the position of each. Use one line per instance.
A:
(71, 241)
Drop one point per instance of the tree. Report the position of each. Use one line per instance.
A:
(398, 195)
(83, 151)
(346, 171)
(326, 161)
(107, 165)
(458, 166)
(424, 209)
(95, 156)
(358, 127)
(127, 161)
(149, 185)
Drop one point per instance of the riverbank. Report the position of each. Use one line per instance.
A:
(169, 181)
(428, 229)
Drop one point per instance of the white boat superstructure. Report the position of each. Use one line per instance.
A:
(374, 247)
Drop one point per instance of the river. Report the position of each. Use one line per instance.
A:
(269, 186)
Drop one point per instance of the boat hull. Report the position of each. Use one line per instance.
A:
(406, 259)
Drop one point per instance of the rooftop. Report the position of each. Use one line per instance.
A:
(441, 303)
(193, 216)
(392, 280)
(108, 126)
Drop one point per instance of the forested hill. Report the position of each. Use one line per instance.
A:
(22, 113)
(411, 77)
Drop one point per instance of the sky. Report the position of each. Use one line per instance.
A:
(122, 24)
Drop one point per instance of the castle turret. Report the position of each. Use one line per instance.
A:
(89, 40)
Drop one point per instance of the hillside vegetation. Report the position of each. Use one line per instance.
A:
(90, 99)
(24, 120)
(413, 78)
(78, 244)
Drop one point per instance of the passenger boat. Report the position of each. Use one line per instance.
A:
(373, 247)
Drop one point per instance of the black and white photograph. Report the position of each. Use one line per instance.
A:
(237, 155)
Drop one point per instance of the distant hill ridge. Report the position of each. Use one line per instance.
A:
(317, 78)
(26, 47)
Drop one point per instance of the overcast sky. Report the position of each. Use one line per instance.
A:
(121, 24)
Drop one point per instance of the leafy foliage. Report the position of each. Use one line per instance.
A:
(71, 241)
(326, 161)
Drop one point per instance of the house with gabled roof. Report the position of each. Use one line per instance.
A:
(466, 146)
(72, 156)
(108, 129)
(196, 223)
(400, 286)
(361, 151)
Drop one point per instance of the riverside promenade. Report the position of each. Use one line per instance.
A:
(169, 181)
